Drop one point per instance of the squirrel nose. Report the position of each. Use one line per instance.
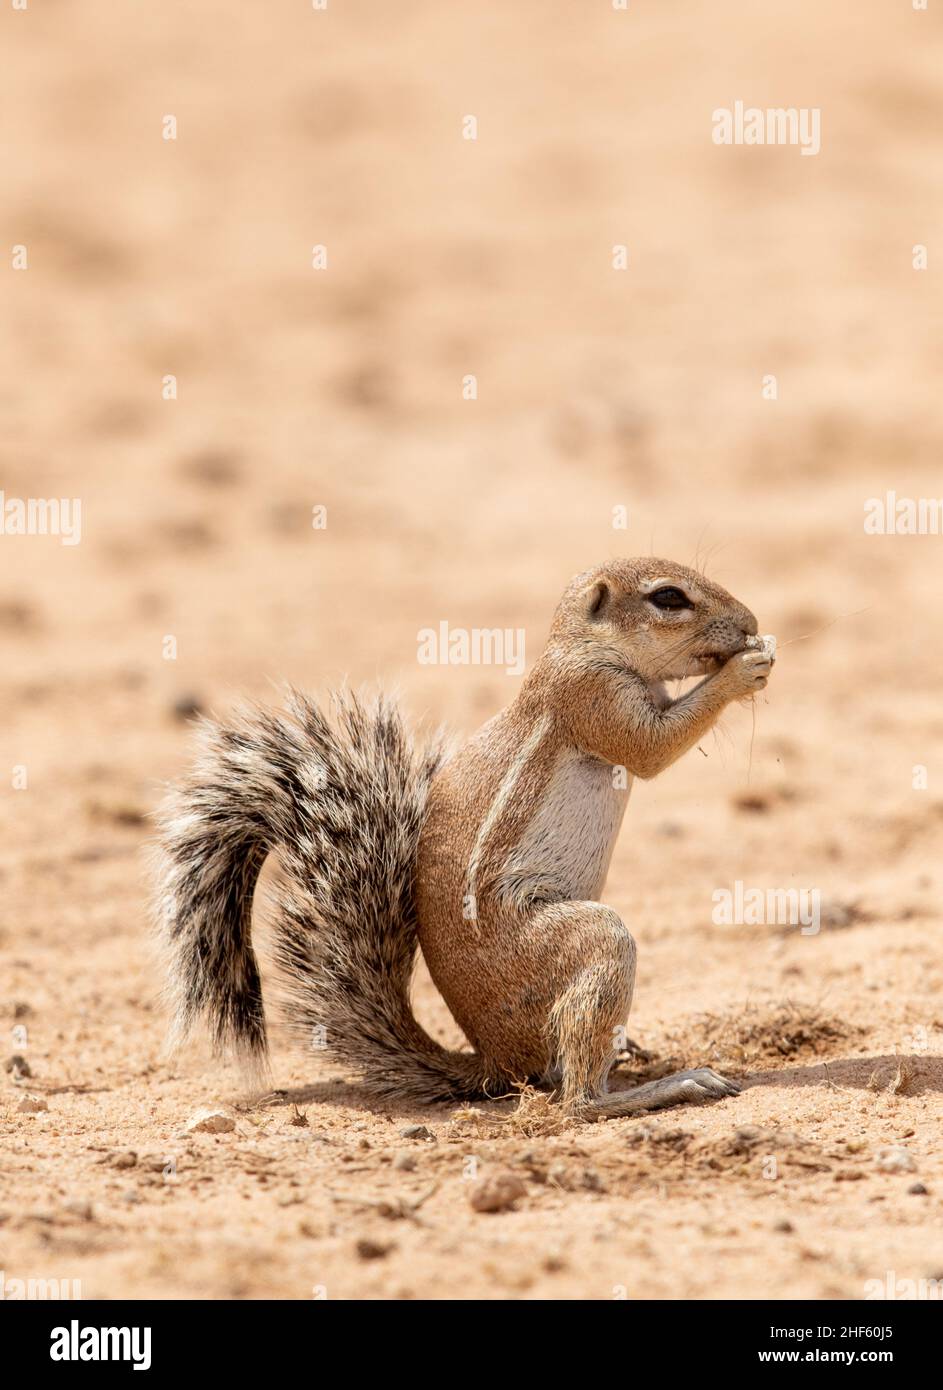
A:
(748, 623)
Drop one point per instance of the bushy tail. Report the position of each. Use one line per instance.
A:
(343, 802)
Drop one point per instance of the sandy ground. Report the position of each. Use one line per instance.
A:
(597, 390)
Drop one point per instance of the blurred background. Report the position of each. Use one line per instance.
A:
(601, 394)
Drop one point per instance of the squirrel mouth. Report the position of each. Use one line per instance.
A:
(712, 661)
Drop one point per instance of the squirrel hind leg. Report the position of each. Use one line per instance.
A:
(593, 956)
(588, 1013)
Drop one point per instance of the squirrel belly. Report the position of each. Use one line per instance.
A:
(565, 851)
(494, 859)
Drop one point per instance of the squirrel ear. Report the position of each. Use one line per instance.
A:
(597, 599)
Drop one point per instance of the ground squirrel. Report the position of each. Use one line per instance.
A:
(493, 858)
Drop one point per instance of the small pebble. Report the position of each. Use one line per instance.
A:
(211, 1122)
(917, 1189)
(126, 1158)
(31, 1105)
(896, 1160)
(416, 1132)
(496, 1193)
(372, 1249)
(404, 1162)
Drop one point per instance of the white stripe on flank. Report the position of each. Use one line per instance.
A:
(499, 805)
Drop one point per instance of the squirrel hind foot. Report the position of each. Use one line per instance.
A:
(695, 1086)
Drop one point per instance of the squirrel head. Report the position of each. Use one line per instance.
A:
(664, 620)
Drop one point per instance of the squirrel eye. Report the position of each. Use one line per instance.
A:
(670, 598)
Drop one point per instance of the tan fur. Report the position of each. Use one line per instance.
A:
(494, 858)
(537, 972)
